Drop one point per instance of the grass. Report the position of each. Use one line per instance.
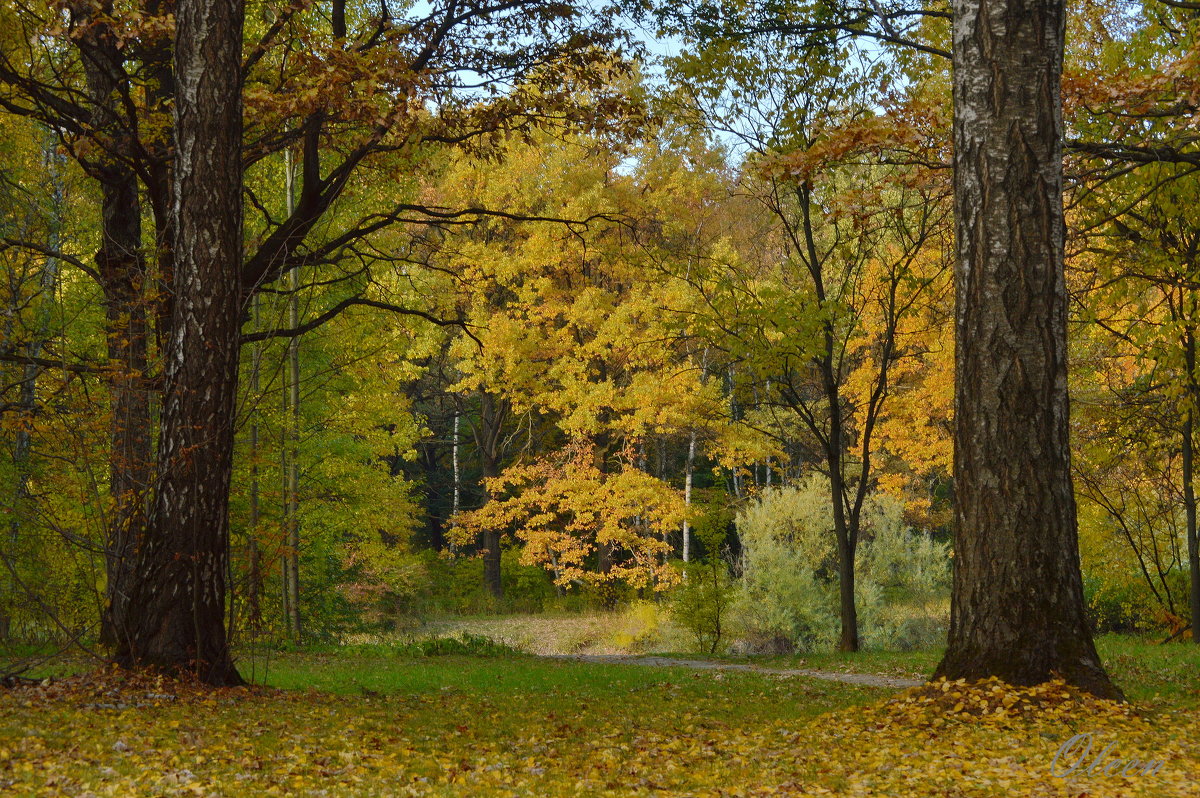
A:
(542, 685)
(388, 724)
(401, 720)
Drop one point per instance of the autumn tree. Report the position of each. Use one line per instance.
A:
(1138, 271)
(571, 331)
(1135, 235)
(384, 86)
(176, 607)
(818, 319)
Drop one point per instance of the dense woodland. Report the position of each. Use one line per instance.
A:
(524, 315)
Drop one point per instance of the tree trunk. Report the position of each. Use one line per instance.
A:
(492, 413)
(844, 529)
(491, 543)
(1017, 607)
(292, 508)
(291, 444)
(1189, 490)
(254, 576)
(689, 469)
(454, 507)
(121, 267)
(175, 619)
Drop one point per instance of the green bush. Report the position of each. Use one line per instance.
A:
(789, 587)
(454, 586)
(1130, 605)
(702, 601)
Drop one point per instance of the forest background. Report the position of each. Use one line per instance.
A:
(556, 326)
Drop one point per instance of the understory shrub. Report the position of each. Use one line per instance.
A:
(466, 645)
(701, 602)
(789, 585)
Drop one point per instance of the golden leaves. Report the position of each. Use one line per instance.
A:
(632, 736)
(121, 735)
(565, 508)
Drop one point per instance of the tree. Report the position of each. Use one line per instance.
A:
(1017, 603)
(176, 611)
(310, 83)
(820, 323)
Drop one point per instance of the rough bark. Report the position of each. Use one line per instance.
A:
(176, 617)
(121, 267)
(1189, 491)
(1017, 608)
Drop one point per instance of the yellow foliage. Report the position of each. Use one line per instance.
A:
(565, 509)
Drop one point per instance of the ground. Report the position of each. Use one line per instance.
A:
(373, 720)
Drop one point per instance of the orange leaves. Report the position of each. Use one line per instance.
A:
(366, 88)
(917, 127)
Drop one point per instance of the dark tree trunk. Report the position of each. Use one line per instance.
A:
(1189, 490)
(845, 527)
(1017, 608)
(121, 268)
(176, 618)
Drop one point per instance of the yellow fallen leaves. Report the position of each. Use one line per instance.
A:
(993, 701)
(102, 735)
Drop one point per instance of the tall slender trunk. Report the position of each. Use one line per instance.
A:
(254, 576)
(1189, 490)
(845, 528)
(492, 414)
(735, 477)
(688, 470)
(1017, 608)
(176, 614)
(291, 509)
(454, 461)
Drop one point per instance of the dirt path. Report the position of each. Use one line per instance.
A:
(867, 679)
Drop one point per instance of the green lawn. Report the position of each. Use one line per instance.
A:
(374, 720)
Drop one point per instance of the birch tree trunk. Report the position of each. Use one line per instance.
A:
(689, 470)
(1017, 608)
(175, 618)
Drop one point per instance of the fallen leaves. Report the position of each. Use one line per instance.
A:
(111, 734)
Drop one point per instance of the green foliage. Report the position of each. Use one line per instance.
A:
(701, 602)
(789, 572)
(455, 587)
(465, 645)
(1128, 605)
